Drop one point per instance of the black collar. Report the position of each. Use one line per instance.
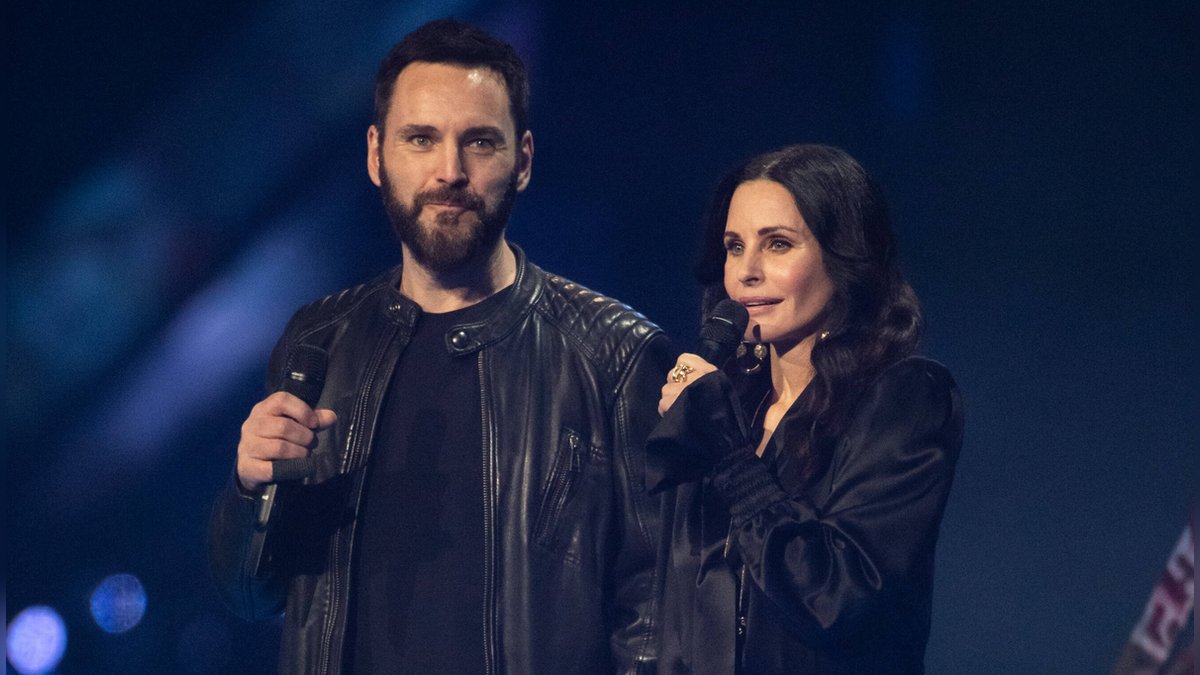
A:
(470, 337)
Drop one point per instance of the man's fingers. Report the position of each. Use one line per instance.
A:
(283, 404)
(256, 458)
(253, 473)
(325, 418)
(280, 427)
(277, 428)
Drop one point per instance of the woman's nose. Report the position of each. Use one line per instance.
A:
(749, 268)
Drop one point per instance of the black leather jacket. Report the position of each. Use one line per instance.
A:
(569, 383)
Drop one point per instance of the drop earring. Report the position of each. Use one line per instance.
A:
(750, 360)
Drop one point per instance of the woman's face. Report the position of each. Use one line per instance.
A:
(773, 265)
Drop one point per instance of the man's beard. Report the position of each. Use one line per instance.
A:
(453, 239)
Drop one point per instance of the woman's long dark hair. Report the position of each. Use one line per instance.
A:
(873, 318)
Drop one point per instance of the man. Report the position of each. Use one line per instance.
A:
(477, 503)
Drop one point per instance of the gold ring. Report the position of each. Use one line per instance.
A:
(680, 372)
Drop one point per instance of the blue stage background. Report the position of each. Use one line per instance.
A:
(183, 176)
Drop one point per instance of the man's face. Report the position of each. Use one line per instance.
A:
(449, 162)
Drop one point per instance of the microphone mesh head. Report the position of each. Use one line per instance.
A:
(721, 333)
(307, 363)
(305, 374)
(726, 324)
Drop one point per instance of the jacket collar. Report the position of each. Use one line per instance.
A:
(470, 337)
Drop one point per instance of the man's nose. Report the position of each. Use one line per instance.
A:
(451, 169)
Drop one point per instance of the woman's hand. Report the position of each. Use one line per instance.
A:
(702, 425)
(688, 368)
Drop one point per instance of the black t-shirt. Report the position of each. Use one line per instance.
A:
(417, 602)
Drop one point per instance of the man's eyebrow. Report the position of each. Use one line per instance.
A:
(417, 130)
(484, 130)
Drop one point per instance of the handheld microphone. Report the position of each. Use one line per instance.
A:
(722, 332)
(671, 458)
(304, 378)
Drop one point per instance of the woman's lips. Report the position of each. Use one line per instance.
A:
(756, 306)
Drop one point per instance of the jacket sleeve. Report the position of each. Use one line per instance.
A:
(230, 529)
(633, 570)
(867, 552)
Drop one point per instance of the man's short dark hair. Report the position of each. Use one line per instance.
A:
(458, 43)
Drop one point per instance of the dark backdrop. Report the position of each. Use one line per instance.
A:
(183, 176)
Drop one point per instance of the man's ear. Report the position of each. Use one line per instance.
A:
(374, 148)
(524, 160)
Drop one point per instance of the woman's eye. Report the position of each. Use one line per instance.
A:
(734, 247)
(779, 245)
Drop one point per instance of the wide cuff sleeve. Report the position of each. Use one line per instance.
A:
(704, 426)
(746, 484)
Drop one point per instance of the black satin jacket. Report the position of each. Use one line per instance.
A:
(569, 383)
(835, 573)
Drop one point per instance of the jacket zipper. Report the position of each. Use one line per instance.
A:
(563, 480)
(489, 535)
(354, 444)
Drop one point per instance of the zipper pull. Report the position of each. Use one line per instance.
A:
(576, 460)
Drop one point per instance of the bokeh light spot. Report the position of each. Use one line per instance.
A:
(118, 603)
(36, 641)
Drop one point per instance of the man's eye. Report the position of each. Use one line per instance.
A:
(482, 145)
(420, 141)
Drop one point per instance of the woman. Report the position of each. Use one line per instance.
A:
(809, 477)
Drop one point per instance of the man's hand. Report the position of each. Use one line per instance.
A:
(281, 426)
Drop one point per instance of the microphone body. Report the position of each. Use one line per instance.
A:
(674, 448)
(304, 378)
(722, 332)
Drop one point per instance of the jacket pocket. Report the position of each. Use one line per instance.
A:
(564, 477)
